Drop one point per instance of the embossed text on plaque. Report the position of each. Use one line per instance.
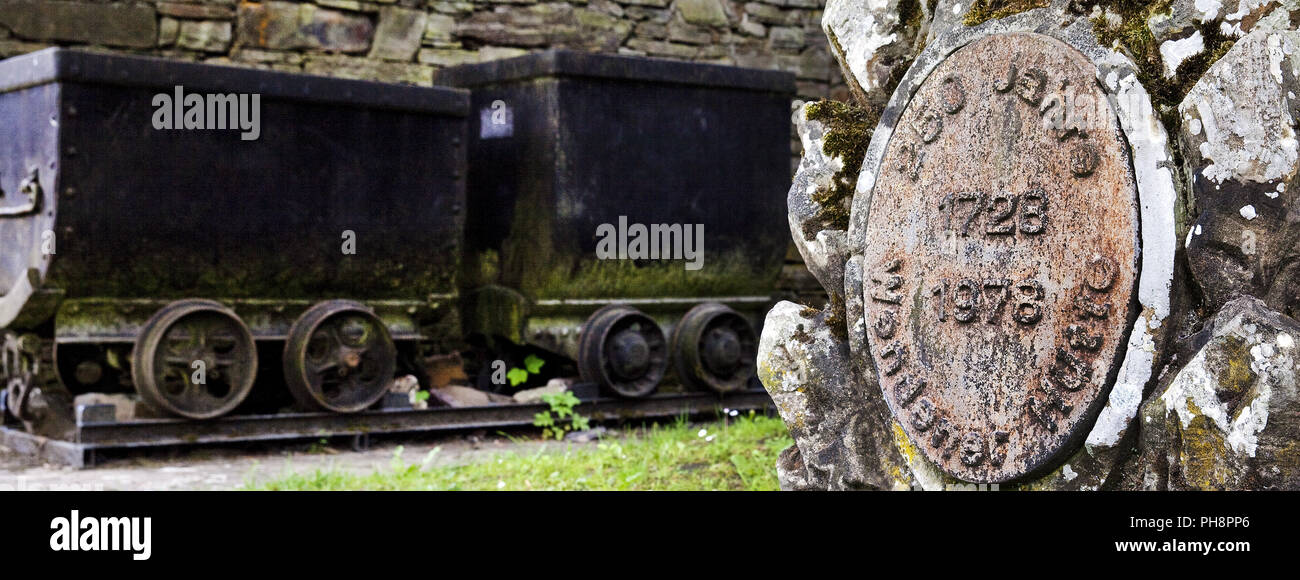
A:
(1001, 257)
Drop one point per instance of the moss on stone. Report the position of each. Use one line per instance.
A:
(910, 14)
(1204, 450)
(836, 319)
(985, 10)
(1133, 37)
(848, 132)
(1233, 375)
(912, 19)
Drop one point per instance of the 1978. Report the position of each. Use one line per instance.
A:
(968, 297)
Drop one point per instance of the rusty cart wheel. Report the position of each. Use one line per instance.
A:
(186, 332)
(17, 392)
(622, 349)
(19, 365)
(714, 348)
(339, 357)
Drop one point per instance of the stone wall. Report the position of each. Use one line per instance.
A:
(404, 41)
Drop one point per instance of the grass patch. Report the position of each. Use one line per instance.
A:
(736, 454)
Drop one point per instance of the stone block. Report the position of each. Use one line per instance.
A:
(398, 35)
(279, 25)
(204, 35)
(124, 25)
(168, 30)
(196, 11)
(702, 12)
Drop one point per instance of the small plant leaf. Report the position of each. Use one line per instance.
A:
(517, 377)
(533, 363)
(543, 419)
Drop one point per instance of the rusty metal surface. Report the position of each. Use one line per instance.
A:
(181, 334)
(1001, 258)
(339, 357)
(553, 324)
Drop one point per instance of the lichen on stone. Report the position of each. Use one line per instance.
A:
(982, 11)
(848, 132)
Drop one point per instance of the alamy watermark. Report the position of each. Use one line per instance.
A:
(93, 534)
(653, 242)
(209, 112)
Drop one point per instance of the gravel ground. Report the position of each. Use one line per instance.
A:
(226, 468)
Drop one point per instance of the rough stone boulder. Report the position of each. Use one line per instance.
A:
(874, 41)
(838, 421)
(834, 137)
(1229, 418)
(1240, 152)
